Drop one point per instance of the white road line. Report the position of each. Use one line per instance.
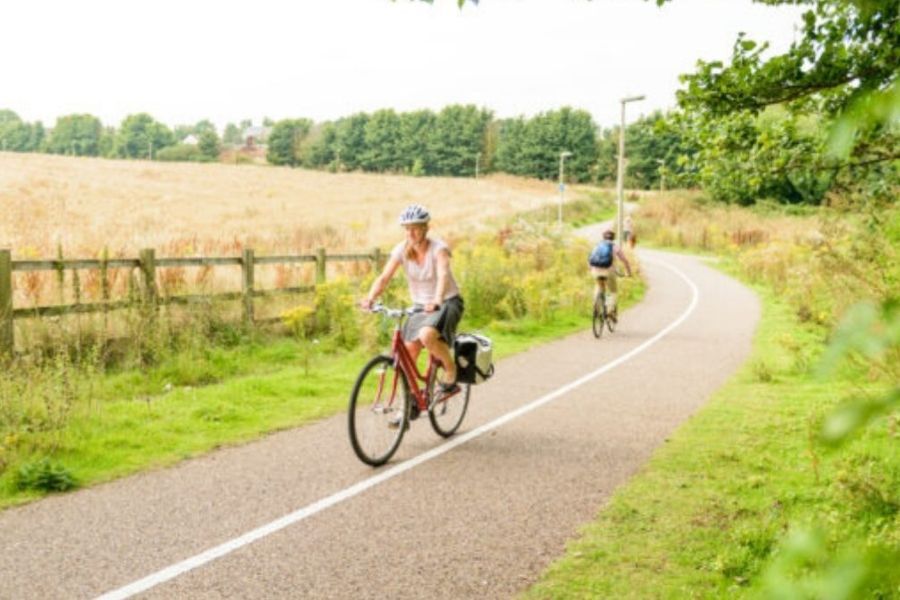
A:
(177, 569)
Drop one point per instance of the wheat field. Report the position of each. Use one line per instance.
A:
(82, 205)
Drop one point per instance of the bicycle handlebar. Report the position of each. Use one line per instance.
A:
(395, 313)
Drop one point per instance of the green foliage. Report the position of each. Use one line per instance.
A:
(285, 141)
(18, 136)
(232, 135)
(77, 135)
(806, 567)
(182, 153)
(412, 145)
(350, 141)
(420, 141)
(532, 147)
(868, 335)
(44, 476)
(714, 510)
(381, 140)
(456, 136)
(209, 144)
(656, 145)
(743, 158)
(846, 518)
(841, 76)
(527, 271)
(337, 314)
(141, 136)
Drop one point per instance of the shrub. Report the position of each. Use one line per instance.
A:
(44, 476)
(182, 153)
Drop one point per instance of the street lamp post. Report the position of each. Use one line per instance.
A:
(620, 204)
(562, 184)
(662, 174)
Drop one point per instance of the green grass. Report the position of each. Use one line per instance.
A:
(205, 398)
(709, 514)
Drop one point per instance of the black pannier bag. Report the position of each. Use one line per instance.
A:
(474, 363)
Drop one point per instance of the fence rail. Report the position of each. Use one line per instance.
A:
(147, 264)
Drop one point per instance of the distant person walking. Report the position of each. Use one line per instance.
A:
(628, 232)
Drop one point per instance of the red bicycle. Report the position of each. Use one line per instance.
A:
(391, 390)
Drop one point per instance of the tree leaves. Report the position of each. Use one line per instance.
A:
(870, 333)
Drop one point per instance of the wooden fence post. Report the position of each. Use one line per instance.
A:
(7, 342)
(376, 259)
(247, 284)
(148, 273)
(320, 266)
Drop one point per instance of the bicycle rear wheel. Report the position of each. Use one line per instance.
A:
(446, 415)
(598, 316)
(378, 414)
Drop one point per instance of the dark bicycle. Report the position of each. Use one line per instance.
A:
(387, 392)
(601, 316)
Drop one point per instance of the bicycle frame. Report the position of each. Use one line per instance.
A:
(410, 370)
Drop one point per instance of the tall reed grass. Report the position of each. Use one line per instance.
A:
(822, 261)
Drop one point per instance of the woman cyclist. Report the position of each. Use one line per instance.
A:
(433, 289)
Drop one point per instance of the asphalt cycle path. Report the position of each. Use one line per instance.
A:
(296, 515)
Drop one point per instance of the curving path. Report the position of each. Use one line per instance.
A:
(480, 516)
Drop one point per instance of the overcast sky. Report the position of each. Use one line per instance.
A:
(227, 60)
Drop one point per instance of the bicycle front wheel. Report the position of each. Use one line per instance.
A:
(378, 413)
(446, 414)
(598, 317)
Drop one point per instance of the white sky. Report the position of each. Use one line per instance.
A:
(227, 60)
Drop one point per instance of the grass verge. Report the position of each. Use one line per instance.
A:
(197, 401)
(742, 502)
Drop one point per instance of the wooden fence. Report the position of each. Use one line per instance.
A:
(146, 264)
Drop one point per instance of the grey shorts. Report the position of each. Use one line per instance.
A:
(445, 320)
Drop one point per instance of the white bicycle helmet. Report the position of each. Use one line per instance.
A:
(414, 214)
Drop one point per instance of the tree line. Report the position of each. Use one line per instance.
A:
(138, 136)
(818, 122)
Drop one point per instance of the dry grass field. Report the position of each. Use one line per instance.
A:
(183, 209)
(81, 206)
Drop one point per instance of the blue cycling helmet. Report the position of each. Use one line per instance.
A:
(414, 214)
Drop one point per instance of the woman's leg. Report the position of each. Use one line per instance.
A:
(431, 339)
(414, 348)
(612, 300)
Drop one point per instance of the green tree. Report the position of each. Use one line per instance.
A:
(107, 144)
(141, 136)
(232, 135)
(511, 145)
(456, 137)
(15, 134)
(350, 141)
(204, 125)
(319, 146)
(845, 63)
(285, 140)
(180, 132)
(654, 144)
(208, 143)
(412, 145)
(37, 137)
(533, 147)
(381, 139)
(78, 135)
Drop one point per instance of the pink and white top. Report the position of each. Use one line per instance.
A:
(422, 279)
